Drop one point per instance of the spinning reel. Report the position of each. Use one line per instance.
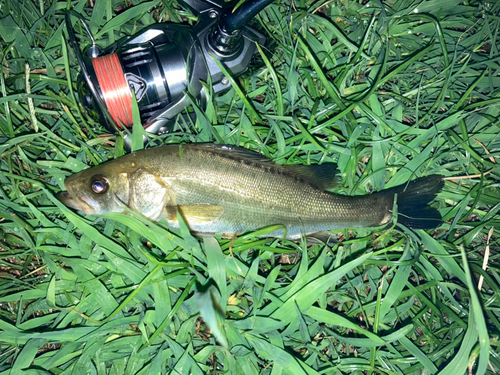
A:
(164, 64)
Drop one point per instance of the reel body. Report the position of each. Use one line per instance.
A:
(164, 65)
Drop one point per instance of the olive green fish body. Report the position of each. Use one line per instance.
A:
(227, 189)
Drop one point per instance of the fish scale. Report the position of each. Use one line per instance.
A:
(282, 198)
(256, 195)
(228, 189)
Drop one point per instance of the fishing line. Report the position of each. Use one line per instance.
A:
(114, 87)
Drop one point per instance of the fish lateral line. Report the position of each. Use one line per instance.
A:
(206, 185)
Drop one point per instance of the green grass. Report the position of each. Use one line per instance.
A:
(388, 91)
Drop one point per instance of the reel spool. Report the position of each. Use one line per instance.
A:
(165, 64)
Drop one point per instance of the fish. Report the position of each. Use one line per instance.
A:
(228, 190)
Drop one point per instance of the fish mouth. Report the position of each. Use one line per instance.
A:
(78, 203)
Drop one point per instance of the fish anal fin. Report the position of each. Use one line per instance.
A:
(322, 237)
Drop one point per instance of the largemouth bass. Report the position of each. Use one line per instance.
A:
(228, 190)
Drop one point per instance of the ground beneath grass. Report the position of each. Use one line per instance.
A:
(387, 90)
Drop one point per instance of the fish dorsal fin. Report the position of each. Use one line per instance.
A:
(238, 152)
(322, 176)
(195, 214)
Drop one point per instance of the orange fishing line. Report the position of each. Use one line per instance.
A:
(114, 88)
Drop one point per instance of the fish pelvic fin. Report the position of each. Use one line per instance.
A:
(413, 199)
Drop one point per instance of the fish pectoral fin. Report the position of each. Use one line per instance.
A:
(322, 237)
(148, 194)
(197, 213)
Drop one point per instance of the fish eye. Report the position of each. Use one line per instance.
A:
(99, 184)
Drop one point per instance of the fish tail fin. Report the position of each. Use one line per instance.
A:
(413, 199)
